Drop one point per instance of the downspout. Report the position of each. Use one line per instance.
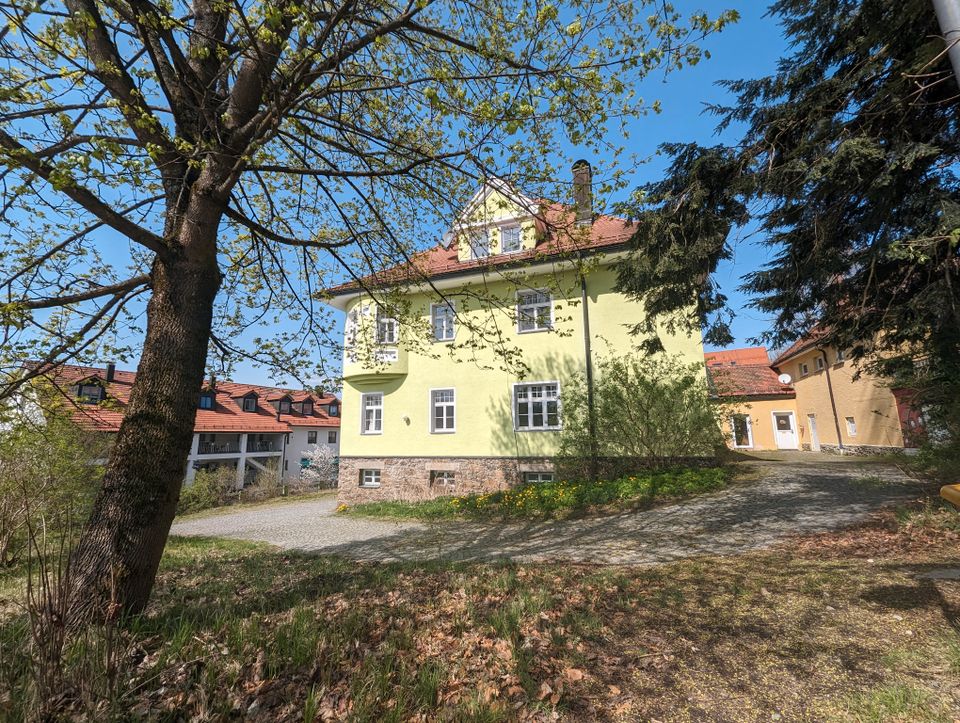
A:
(588, 357)
(833, 402)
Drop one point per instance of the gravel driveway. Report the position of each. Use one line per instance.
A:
(788, 497)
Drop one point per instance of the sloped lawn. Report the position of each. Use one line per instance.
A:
(555, 499)
(830, 627)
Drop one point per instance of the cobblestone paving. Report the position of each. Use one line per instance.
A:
(788, 497)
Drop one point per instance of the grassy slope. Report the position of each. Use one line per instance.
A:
(832, 627)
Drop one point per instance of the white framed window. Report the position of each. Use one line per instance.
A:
(851, 427)
(333, 410)
(742, 429)
(386, 329)
(444, 479)
(331, 437)
(537, 477)
(804, 369)
(534, 311)
(479, 242)
(536, 406)
(444, 321)
(311, 437)
(819, 363)
(840, 356)
(509, 239)
(369, 478)
(371, 420)
(443, 411)
(89, 393)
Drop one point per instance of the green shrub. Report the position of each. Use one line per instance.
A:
(546, 499)
(210, 488)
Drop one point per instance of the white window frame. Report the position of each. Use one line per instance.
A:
(449, 478)
(363, 412)
(387, 322)
(851, 426)
(433, 409)
(804, 369)
(820, 364)
(375, 477)
(535, 306)
(841, 357)
(452, 322)
(511, 227)
(733, 431)
(472, 235)
(515, 404)
(537, 477)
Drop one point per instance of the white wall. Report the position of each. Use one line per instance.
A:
(298, 447)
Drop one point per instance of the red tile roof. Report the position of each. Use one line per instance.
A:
(733, 357)
(557, 234)
(747, 380)
(226, 416)
(800, 345)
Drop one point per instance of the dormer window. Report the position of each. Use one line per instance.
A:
(334, 410)
(479, 242)
(509, 239)
(206, 400)
(250, 403)
(307, 409)
(90, 394)
(284, 407)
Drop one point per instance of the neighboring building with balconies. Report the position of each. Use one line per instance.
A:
(252, 429)
(430, 406)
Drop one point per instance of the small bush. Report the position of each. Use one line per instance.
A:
(546, 499)
(210, 488)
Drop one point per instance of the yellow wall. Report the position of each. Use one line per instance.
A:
(761, 417)
(867, 399)
(483, 389)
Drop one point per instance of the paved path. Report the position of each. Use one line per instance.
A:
(788, 497)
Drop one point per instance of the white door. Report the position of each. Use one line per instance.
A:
(784, 430)
(814, 437)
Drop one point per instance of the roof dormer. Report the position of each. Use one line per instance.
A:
(90, 390)
(497, 220)
(248, 402)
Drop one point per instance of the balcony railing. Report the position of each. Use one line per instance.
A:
(266, 446)
(219, 448)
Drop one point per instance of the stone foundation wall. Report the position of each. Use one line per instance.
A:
(858, 450)
(412, 479)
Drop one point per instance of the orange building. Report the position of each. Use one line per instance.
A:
(763, 413)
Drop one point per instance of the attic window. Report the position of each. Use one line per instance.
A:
(479, 243)
(284, 406)
(250, 403)
(307, 408)
(90, 393)
(509, 239)
(206, 400)
(334, 410)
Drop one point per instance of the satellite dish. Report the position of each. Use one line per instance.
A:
(785, 378)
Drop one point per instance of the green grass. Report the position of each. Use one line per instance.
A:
(546, 499)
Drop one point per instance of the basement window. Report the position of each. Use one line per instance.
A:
(537, 477)
(369, 478)
(443, 479)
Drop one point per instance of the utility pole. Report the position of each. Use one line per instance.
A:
(948, 13)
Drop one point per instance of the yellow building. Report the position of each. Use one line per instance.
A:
(839, 410)
(762, 412)
(464, 395)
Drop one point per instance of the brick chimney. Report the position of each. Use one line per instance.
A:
(583, 192)
(111, 371)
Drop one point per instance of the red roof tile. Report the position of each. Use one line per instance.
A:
(733, 357)
(557, 231)
(226, 416)
(800, 345)
(747, 380)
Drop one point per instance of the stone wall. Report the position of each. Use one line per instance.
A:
(412, 478)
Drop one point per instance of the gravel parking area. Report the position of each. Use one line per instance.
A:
(787, 497)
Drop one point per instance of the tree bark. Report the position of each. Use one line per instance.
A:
(115, 562)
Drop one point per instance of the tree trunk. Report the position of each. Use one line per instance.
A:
(115, 563)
